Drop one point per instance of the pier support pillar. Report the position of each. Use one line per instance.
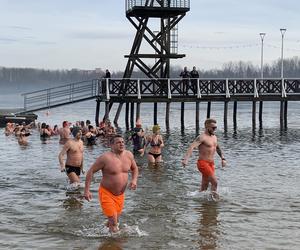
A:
(107, 109)
(167, 120)
(155, 113)
(254, 114)
(132, 115)
(138, 111)
(234, 115)
(97, 112)
(182, 115)
(285, 114)
(260, 113)
(127, 115)
(118, 113)
(208, 109)
(225, 115)
(197, 116)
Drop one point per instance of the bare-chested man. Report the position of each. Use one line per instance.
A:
(74, 150)
(115, 166)
(207, 145)
(64, 132)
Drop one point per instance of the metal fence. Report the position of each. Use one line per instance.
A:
(129, 4)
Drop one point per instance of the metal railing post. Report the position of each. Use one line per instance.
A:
(198, 89)
(255, 89)
(227, 89)
(283, 88)
(138, 89)
(107, 89)
(169, 89)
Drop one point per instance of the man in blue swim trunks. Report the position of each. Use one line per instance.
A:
(74, 151)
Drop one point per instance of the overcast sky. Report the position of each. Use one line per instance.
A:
(88, 34)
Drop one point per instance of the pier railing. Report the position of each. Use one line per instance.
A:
(164, 90)
(61, 95)
(129, 4)
(178, 88)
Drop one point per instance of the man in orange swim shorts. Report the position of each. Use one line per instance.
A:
(115, 166)
(207, 147)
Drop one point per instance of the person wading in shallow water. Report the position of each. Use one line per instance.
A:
(156, 144)
(207, 146)
(138, 138)
(115, 166)
(74, 151)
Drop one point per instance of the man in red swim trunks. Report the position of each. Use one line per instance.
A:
(115, 166)
(207, 146)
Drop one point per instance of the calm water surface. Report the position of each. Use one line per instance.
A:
(259, 206)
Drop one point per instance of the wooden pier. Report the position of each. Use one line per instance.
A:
(134, 92)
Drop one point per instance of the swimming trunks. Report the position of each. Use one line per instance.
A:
(70, 169)
(111, 204)
(207, 168)
(154, 155)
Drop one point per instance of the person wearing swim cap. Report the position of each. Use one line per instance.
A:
(138, 138)
(156, 144)
(73, 148)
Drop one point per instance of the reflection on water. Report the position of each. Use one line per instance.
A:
(111, 244)
(208, 225)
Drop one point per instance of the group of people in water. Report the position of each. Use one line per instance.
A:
(117, 162)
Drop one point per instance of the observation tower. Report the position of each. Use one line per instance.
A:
(156, 23)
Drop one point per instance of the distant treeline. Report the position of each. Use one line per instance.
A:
(40, 77)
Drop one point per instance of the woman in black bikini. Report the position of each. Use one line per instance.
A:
(156, 143)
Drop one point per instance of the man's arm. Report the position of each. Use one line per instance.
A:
(61, 155)
(220, 153)
(189, 152)
(98, 165)
(135, 172)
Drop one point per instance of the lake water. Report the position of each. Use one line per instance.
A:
(260, 198)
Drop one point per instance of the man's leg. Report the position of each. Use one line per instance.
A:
(73, 177)
(113, 223)
(214, 183)
(204, 184)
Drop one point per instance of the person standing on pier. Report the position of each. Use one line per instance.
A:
(207, 147)
(185, 75)
(107, 74)
(115, 166)
(194, 76)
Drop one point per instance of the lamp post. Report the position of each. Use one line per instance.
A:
(262, 36)
(282, 36)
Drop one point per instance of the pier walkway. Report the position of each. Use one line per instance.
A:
(164, 90)
(136, 91)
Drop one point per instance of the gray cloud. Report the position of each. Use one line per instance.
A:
(15, 27)
(5, 40)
